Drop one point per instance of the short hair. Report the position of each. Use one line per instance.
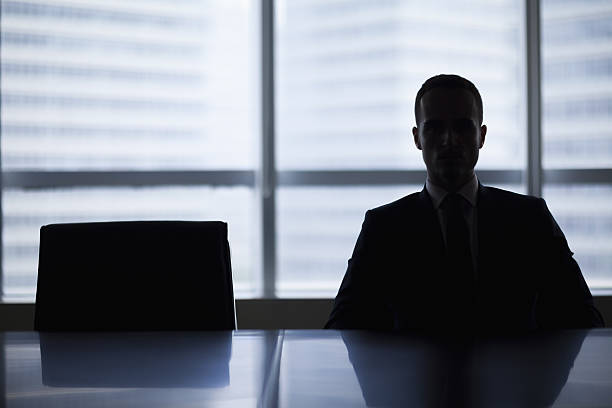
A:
(447, 81)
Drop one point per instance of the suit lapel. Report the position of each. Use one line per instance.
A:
(486, 227)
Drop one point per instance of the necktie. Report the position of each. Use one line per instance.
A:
(457, 234)
(459, 258)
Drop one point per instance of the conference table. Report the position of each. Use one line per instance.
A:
(306, 368)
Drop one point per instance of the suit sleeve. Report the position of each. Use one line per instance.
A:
(360, 303)
(564, 299)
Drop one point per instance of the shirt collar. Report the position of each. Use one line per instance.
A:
(469, 191)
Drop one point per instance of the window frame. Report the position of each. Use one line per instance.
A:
(267, 179)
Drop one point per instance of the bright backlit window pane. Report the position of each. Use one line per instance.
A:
(129, 85)
(584, 214)
(26, 210)
(577, 84)
(348, 72)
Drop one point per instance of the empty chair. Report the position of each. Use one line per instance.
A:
(133, 276)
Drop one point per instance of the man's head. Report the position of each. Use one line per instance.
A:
(449, 130)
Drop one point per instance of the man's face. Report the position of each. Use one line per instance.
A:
(450, 135)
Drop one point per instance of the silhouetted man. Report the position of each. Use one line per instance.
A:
(459, 255)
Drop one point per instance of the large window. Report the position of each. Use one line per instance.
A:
(347, 73)
(127, 111)
(157, 109)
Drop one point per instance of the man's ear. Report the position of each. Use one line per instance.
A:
(483, 134)
(415, 134)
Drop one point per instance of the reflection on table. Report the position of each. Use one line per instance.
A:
(306, 368)
(136, 360)
(356, 368)
(160, 369)
(462, 371)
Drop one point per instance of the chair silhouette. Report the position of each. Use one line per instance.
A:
(134, 276)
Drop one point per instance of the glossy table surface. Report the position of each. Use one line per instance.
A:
(313, 368)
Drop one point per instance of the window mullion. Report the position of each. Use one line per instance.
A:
(534, 101)
(268, 182)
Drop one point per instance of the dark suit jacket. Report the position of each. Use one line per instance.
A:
(399, 277)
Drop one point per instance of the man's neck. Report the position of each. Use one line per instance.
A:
(451, 186)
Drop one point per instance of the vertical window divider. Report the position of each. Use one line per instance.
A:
(534, 98)
(1, 192)
(268, 171)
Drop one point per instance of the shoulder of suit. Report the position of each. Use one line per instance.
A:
(400, 205)
(511, 200)
(500, 194)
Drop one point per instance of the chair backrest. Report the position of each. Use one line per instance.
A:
(133, 276)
